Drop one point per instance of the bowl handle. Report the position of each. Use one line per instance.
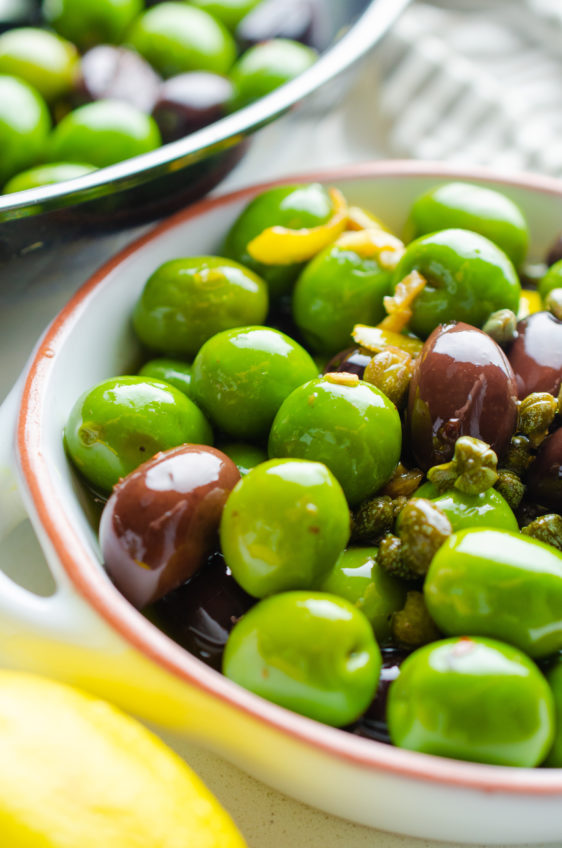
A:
(64, 615)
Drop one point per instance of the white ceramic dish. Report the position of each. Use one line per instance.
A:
(88, 634)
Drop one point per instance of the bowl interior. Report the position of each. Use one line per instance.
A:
(92, 340)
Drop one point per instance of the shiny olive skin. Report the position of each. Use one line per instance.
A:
(122, 422)
(90, 22)
(244, 455)
(544, 478)
(337, 290)
(472, 699)
(554, 678)
(41, 58)
(536, 354)
(188, 102)
(488, 509)
(241, 377)
(284, 526)
(173, 371)
(177, 37)
(186, 301)
(265, 67)
(471, 207)
(161, 522)
(24, 126)
(103, 133)
(325, 665)
(462, 385)
(499, 584)
(468, 277)
(228, 12)
(551, 280)
(40, 175)
(115, 73)
(354, 429)
(357, 578)
(295, 206)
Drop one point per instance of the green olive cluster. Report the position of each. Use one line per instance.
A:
(402, 499)
(102, 81)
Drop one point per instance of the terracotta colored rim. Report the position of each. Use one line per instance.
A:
(136, 630)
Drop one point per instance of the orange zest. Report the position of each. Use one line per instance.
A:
(374, 243)
(399, 306)
(376, 340)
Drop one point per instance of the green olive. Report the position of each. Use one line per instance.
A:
(186, 301)
(472, 207)
(310, 652)
(499, 584)
(122, 422)
(41, 175)
(337, 290)
(488, 509)
(228, 12)
(103, 133)
(173, 371)
(267, 66)
(551, 280)
(24, 126)
(41, 58)
(358, 578)
(176, 38)
(472, 699)
(468, 278)
(352, 428)
(91, 22)
(241, 377)
(245, 456)
(554, 678)
(283, 526)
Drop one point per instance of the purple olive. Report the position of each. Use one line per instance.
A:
(200, 614)
(544, 478)
(292, 19)
(462, 385)
(352, 360)
(372, 723)
(536, 354)
(116, 73)
(161, 522)
(188, 102)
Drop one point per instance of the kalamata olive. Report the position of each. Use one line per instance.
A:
(462, 385)
(116, 73)
(352, 361)
(161, 522)
(544, 479)
(372, 723)
(188, 102)
(294, 19)
(536, 354)
(555, 252)
(200, 614)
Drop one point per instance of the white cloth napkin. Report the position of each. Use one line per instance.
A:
(477, 82)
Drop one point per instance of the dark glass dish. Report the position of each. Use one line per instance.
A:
(147, 187)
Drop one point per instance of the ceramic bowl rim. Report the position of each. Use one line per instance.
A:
(145, 637)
